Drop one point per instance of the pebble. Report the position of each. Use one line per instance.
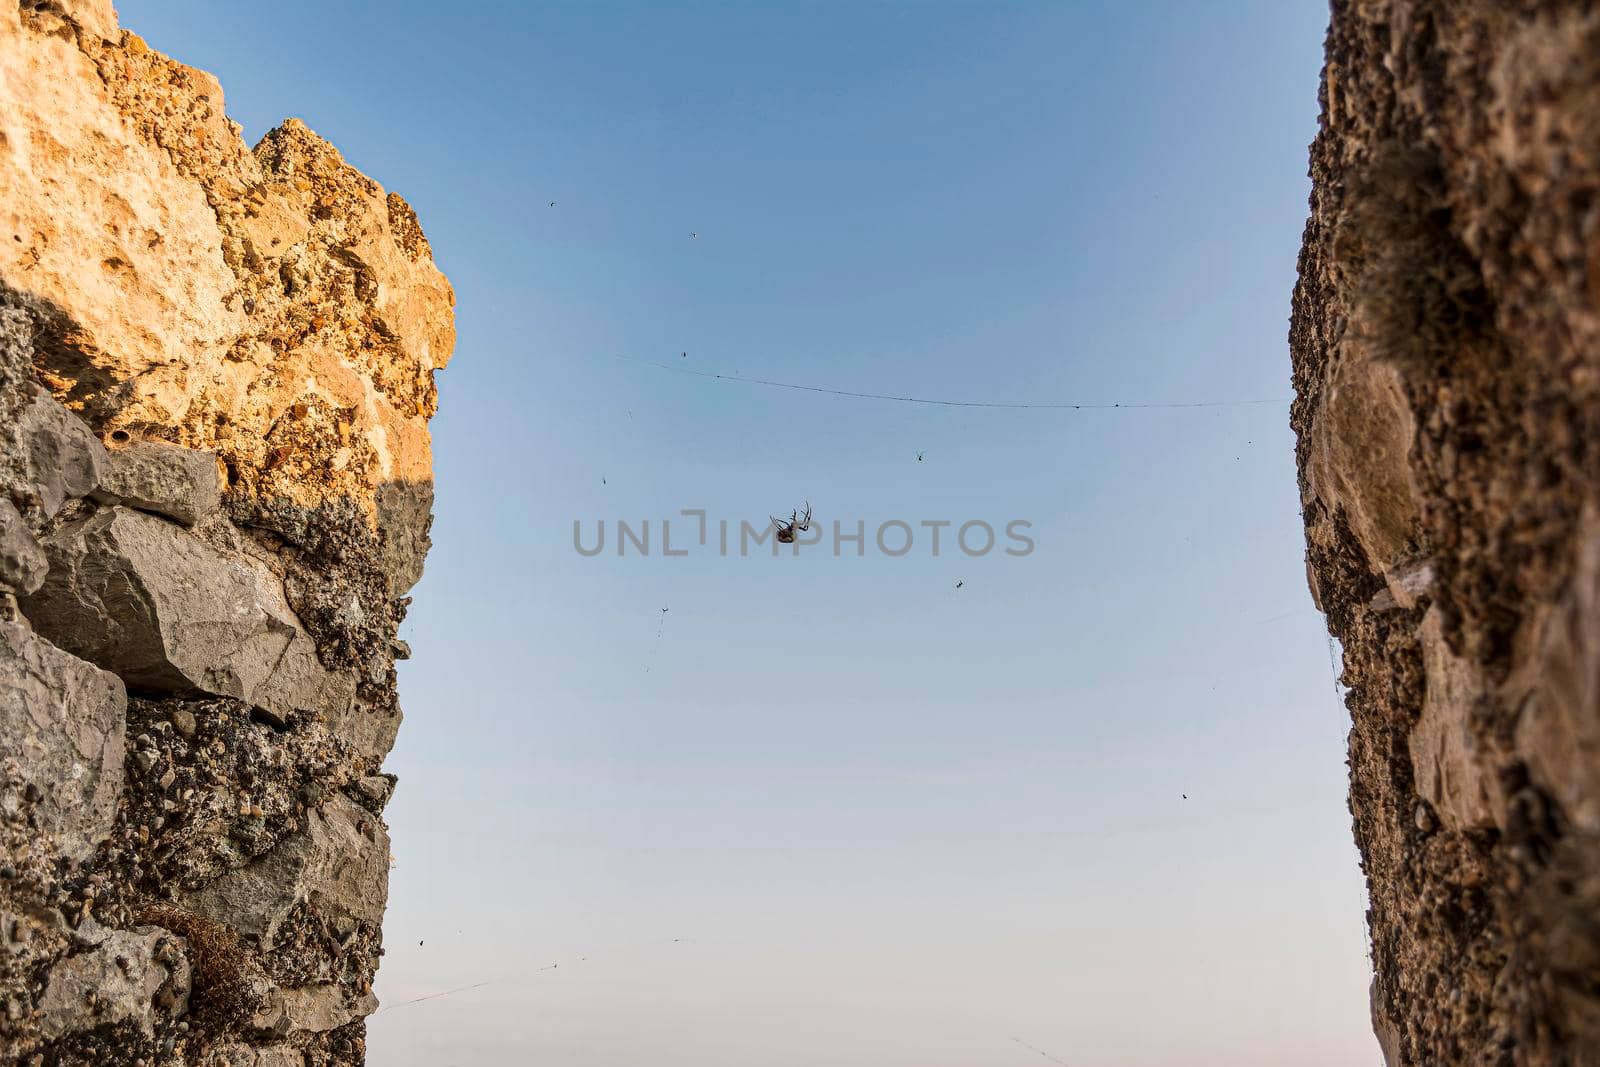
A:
(183, 722)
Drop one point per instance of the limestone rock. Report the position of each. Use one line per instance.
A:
(1454, 773)
(404, 515)
(1359, 459)
(1383, 1028)
(138, 976)
(240, 1055)
(1558, 689)
(180, 483)
(61, 458)
(101, 219)
(377, 788)
(339, 863)
(313, 1009)
(93, 16)
(22, 559)
(275, 319)
(1446, 364)
(223, 289)
(170, 613)
(61, 740)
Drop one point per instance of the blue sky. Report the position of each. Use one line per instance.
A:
(838, 810)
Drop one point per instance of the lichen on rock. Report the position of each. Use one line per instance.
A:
(216, 373)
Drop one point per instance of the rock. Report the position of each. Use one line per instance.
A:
(22, 560)
(1445, 355)
(404, 516)
(89, 933)
(170, 613)
(313, 1009)
(61, 740)
(61, 458)
(1558, 689)
(180, 483)
(183, 722)
(93, 16)
(1360, 453)
(138, 976)
(339, 863)
(240, 1055)
(128, 145)
(1452, 771)
(377, 788)
(1383, 1028)
(275, 319)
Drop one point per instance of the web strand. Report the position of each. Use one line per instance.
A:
(1011, 405)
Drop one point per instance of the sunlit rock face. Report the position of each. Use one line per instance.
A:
(216, 375)
(1446, 347)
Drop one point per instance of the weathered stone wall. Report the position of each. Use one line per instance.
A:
(1446, 345)
(216, 371)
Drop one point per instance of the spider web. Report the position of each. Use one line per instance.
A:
(944, 403)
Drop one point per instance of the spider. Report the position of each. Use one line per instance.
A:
(797, 522)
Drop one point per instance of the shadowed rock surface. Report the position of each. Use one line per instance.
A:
(161, 478)
(216, 373)
(1446, 346)
(170, 613)
(61, 741)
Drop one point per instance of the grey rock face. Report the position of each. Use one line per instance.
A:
(180, 483)
(263, 1056)
(339, 863)
(61, 459)
(139, 975)
(313, 1009)
(61, 740)
(377, 788)
(405, 512)
(22, 560)
(169, 613)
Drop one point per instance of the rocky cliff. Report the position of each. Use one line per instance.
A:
(1446, 347)
(216, 372)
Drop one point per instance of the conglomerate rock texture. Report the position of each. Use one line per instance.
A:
(1446, 346)
(216, 371)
